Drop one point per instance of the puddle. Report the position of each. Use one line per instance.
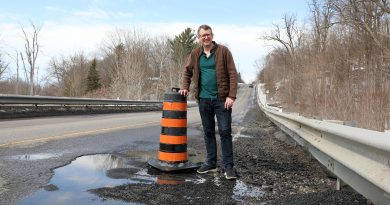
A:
(70, 184)
(32, 157)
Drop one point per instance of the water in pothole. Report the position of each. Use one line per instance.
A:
(70, 184)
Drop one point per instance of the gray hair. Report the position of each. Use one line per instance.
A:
(205, 27)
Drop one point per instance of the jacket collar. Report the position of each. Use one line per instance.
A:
(215, 45)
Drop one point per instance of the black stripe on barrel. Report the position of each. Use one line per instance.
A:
(173, 148)
(174, 114)
(174, 97)
(174, 131)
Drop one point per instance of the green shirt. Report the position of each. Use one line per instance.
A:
(208, 76)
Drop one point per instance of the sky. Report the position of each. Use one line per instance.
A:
(72, 26)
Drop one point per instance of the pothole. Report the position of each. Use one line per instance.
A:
(72, 183)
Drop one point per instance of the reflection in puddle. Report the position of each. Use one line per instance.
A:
(30, 157)
(70, 184)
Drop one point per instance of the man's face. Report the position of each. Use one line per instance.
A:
(205, 37)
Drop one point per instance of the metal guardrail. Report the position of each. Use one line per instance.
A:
(21, 106)
(23, 99)
(359, 157)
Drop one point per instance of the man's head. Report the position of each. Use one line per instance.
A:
(205, 35)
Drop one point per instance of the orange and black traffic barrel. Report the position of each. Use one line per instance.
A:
(172, 154)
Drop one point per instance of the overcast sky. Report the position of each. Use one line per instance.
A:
(70, 26)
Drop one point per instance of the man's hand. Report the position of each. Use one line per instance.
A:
(183, 92)
(229, 103)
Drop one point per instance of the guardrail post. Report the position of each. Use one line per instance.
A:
(339, 184)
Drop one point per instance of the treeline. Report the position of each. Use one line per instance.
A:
(338, 67)
(131, 65)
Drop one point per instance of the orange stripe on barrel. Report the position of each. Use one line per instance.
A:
(168, 139)
(172, 157)
(166, 122)
(178, 106)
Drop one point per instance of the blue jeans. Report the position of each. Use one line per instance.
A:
(209, 108)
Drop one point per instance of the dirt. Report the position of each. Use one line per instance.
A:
(272, 169)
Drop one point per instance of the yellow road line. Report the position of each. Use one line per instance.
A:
(73, 134)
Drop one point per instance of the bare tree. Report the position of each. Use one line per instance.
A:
(69, 73)
(114, 51)
(322, 21)
(3, 67)
(58, 67)
(289, 36)
(136, 65)
(24, 67)
(162, 65)
(129, 54)
(370, 19)
(17, 73)
(340, 70)
(75, 75)
(32, 49)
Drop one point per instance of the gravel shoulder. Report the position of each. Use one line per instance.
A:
(272, 169)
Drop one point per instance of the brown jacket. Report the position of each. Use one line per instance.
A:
(225, 70)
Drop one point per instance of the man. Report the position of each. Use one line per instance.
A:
(215, 76)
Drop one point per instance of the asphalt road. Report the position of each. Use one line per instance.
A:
(30, 131)
(30, 149)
